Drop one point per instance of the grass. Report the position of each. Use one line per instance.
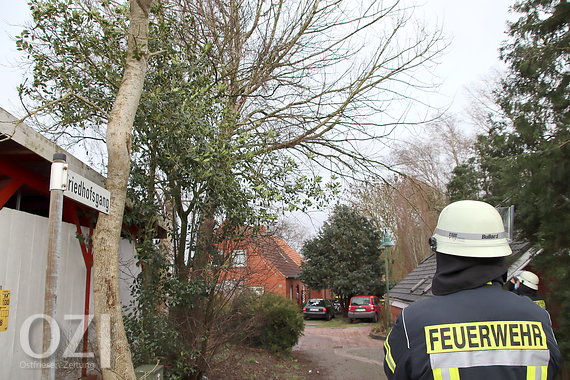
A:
(377, 329)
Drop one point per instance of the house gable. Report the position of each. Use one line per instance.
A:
(294, 255)
(278, 253)
(271, 265)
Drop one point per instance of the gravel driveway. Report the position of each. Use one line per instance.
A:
(346, 353)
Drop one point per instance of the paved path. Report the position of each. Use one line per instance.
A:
(346, 353)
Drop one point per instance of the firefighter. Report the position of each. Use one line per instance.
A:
(528, 287)
(471, 328)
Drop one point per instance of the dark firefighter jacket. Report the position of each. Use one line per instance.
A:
(539, 301)
(483, 333)
(525, 291)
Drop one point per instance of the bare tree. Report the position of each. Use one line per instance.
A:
(322, 82)
(432, 154)
(408, 209)
(293, 233)
(484, 107)
(408, 203)
(316, 78)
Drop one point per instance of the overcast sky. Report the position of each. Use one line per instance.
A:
(13, 15)
(476, 29)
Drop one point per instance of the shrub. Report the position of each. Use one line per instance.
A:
(280, 323)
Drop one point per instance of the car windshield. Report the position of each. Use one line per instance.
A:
(316, 302)
(360, 301)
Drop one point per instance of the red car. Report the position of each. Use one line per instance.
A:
(364, 307)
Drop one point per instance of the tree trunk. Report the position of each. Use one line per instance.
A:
(113, 347)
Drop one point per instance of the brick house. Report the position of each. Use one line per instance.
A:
(266, 263)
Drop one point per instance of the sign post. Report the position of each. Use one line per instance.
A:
(58, 182)
(64, 182)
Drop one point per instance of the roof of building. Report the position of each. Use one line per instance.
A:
(279, 254)
(34, 152)
(26, 158)
(294, 255)
(417, 284)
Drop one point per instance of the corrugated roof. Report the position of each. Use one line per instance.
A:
(417, 284)
(277, 252)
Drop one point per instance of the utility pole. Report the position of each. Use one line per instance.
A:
(58, 183)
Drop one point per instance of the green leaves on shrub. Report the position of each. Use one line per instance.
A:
(280, 323)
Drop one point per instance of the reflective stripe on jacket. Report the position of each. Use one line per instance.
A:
(538, 300)
(484, 333)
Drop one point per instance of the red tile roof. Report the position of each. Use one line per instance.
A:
(279, 254)
(296, 257)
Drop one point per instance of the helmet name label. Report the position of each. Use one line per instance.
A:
(491, 335)
(470, 236)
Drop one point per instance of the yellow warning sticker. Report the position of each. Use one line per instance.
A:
(4, 309)
(491, 335)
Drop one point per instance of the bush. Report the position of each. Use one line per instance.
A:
(280, 323)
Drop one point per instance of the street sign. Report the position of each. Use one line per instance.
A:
(86, 192)
(4, 309)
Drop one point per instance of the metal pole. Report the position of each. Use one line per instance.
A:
(386, 295)
(386, 245)
(58, 181)
(86, 319)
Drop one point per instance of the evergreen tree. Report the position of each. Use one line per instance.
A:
(344, 256)
(534, 97)
(524, 158)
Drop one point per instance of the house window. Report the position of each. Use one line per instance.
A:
(239, 258)
(227, 286)
(257, 289)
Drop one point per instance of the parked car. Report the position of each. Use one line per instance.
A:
(319, 308)
(364, 307)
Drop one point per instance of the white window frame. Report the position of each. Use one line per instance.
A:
(259, 290)
(239, 258)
